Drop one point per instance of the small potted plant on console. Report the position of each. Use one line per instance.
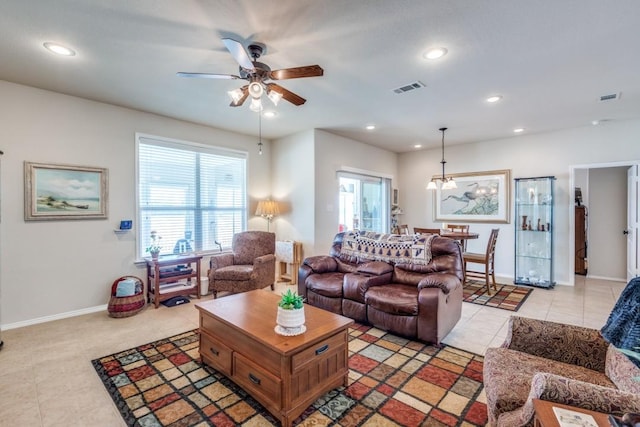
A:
(290, 319)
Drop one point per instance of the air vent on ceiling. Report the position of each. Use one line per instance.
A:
(610, 97)
(411, 86)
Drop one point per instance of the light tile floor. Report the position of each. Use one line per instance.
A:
(46, 378)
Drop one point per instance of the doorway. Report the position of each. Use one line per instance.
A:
(363, 203)
(607, 204)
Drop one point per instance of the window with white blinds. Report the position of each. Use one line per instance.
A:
(193, 196)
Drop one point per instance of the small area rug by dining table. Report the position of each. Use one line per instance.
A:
(393, 381)
(507, 297)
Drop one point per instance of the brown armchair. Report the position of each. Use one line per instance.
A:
(560, 363)
(251, 265)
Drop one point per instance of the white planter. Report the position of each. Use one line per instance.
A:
(290, 319)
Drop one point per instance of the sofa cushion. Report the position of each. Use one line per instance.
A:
(234, 272)
(375, 267)
(321, 264)
(622, 371)
(394, 299)
(326, 284)
(512, 371)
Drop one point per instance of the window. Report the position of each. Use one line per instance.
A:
(364, 202)
(193, 196)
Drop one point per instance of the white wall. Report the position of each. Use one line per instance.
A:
(607, 219)
(333, 153)
(526, 156)
(50, 268)
(293, 186)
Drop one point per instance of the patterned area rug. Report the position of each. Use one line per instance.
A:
(392, 382)
(508, 297)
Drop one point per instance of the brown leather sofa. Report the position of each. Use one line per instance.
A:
(415, 298)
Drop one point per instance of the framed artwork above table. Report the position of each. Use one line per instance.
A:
(479, 197)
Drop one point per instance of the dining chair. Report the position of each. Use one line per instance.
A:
(418, 230)
(486, 259)
(403, 229)
(458, 228)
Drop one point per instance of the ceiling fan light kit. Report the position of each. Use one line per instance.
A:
(258, 75)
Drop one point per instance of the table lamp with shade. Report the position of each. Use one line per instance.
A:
(268, 209)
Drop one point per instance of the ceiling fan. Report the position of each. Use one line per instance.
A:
(258, 75)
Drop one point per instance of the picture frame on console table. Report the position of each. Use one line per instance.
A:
(64, 192)
(479, 197)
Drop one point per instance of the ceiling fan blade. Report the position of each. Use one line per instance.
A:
(208, 75)
(245, 94)
(297, 72)
(239, 53)
(288, 95)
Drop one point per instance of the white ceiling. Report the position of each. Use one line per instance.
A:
(551, 60)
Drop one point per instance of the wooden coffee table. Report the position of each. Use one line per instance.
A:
(285, 374)
(545, 417)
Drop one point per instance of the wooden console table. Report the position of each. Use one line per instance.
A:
(171, 276)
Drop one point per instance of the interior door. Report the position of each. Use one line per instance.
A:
(633, 219)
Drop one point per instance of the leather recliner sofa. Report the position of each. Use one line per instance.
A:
(387, 281)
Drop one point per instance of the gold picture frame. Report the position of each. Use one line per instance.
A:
(64, 192)
(479, 197)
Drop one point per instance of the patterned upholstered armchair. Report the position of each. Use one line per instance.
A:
(251, 265)
(559, 363)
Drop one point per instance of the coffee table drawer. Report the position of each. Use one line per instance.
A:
(215, 353)
(257, 381)
(318, 351)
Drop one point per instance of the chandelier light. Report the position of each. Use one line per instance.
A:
(447, 182)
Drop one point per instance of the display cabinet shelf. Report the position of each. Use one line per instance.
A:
(534, 231)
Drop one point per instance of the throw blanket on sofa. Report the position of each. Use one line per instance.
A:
(623, 326)
(396, 248)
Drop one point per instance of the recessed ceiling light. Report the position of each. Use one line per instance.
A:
(518, 130)
(494, 98)
(435, 53)
(269, 114)
(370, 127)
(59, 49)
(417, 146)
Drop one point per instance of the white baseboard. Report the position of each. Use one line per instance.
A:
(612, 279)
(53, 317)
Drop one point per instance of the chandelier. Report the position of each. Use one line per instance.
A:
(447, 182)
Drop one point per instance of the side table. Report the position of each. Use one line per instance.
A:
(289, 256)
(545, 417)
(171, 276)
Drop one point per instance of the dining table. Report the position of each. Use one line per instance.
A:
(460, 236)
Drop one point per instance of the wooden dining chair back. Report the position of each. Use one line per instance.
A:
(403, 229)
(418, 230)
(458, 228)
(486, 259)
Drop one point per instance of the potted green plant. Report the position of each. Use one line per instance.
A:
(154, 248)
(290, 317)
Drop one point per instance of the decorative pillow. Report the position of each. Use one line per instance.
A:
(126, 288)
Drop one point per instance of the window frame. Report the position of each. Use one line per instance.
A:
(189, 146)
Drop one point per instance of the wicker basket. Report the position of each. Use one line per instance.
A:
(126, 306)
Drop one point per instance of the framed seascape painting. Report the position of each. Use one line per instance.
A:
(59, 192)
(479, 197)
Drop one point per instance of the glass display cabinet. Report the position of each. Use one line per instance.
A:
(534, 231)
